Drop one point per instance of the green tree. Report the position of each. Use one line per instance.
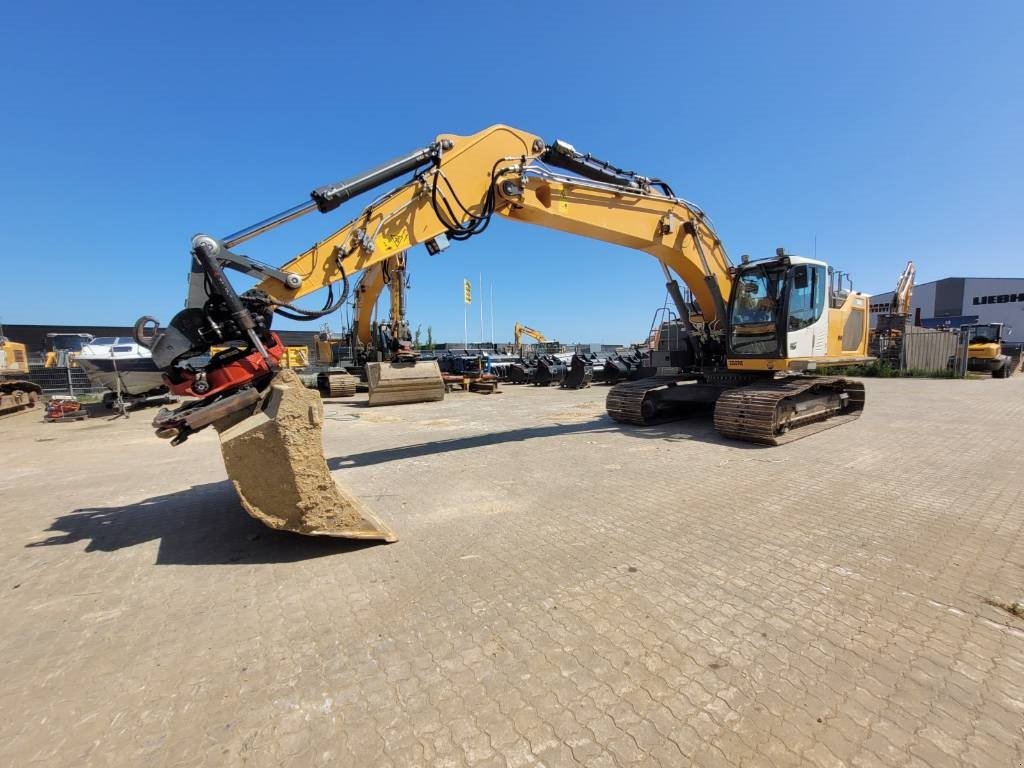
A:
(430, 338)
(416, 338)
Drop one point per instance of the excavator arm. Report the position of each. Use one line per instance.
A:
(901, 297)
(387, 273)
(536, 335)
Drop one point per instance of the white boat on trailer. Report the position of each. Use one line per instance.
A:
(122, 366)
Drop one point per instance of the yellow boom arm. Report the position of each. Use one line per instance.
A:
(499, 171)
(371, 284)
(533, 334)
(904, 290)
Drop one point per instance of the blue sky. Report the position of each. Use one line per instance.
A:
(888, 131)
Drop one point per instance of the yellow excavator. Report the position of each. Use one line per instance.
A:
(533, 334)
(886, 342)
(383, 351)
(394, 372)
(763, 325)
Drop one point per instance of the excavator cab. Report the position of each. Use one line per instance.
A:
(784, 312)
(757, 312)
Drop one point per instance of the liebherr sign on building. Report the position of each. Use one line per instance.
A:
(956, 301)
(1001, 298)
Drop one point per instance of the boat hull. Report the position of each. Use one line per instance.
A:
(138, 375)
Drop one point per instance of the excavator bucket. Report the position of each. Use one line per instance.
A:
(275, 460)
(404, 382)
(580, 373)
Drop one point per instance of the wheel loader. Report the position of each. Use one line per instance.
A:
(762, 326)
(988, 352)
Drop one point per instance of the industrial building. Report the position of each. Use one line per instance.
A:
(955, 301)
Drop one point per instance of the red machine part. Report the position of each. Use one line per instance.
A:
(230, 376)
(58, 409)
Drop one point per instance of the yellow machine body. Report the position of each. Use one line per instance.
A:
(13, 357)
(15, 393)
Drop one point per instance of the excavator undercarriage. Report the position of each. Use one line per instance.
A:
(760, 410)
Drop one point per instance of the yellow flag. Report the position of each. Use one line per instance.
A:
(467, 291)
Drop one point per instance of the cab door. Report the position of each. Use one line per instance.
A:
(806, 318)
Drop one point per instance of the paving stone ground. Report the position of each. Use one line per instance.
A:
(566, 592)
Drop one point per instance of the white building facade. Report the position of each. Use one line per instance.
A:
(956, 301)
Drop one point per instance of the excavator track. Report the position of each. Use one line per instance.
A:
(635, 402)
(339, 385)
(779, 412)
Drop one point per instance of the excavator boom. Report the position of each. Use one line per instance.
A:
(904, 290)
(536, 335)
(511, 173)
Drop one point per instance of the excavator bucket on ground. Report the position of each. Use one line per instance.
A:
(404, 382)
(580, 373)
(275, 460)
(550, 370)
(521, 372)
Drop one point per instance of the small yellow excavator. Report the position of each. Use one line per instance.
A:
(533, 334)
(764, 324)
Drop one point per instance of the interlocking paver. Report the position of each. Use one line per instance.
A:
(566, 592)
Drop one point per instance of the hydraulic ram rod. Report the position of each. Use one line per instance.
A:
(327, 198)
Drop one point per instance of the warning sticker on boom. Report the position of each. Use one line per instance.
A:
(396, 241)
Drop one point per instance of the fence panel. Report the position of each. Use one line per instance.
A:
(63, 381)
(929, 349)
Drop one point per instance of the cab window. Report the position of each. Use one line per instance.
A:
(806, 295)
(756, 303)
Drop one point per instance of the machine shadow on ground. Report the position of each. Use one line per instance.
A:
(203, 525)
(206, 525)
(698, 427)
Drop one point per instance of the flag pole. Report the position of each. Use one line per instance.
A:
(481, 309)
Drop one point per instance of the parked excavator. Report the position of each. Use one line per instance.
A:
(533, 334)
(763, 324)
(382, 353)
(886, 342)
(394, 372)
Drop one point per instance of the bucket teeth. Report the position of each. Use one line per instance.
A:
(275, 461)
